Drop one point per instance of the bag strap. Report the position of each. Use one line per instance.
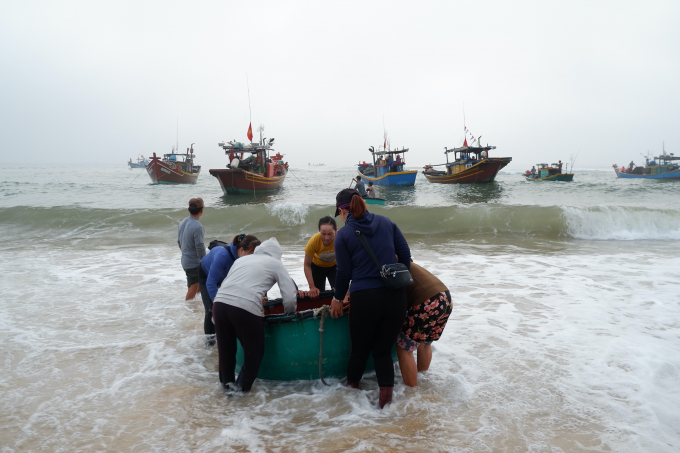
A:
(230, 254)
(364, 242)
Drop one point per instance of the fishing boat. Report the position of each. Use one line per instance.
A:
(663, 166)
(387, 168)
(251, 169)
(141, 162)
(545, 172)
(296, 343)
(471, 164)
(174, 168)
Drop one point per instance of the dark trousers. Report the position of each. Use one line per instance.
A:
(320, 274)
(208, 326)
(236, 324)
(375, 320)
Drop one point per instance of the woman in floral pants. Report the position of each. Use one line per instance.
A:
(429, 307)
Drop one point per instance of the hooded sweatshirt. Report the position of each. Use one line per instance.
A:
(216, 265)
(354, 262)
(252, 276)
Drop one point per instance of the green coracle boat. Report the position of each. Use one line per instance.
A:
(293, 342)
(378, 201)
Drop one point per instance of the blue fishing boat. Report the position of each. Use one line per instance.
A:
(295, 344)
(663, 166)
(141, 163)
(387, 168)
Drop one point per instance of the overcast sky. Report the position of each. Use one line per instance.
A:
(100, 82)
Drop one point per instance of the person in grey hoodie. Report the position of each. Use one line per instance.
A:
(239, 314)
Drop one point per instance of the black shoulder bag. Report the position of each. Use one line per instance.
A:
(394, 275)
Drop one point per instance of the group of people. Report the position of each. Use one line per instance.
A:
(234, 280)
(366, 192)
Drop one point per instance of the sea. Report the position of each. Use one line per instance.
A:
(564, 336)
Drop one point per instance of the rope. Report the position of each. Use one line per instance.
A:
(136, 176)
(324, 310)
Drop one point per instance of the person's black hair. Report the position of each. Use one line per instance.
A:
(249, 243)
(358, 178)
(194, 211)
(328, 220)
(238, 238)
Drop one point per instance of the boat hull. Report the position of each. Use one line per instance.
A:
(164, 173)
(292, 343)
(481, 172)
(566, 177)
(241, 182)
(669, 175)
(400, 178)
(134, 165)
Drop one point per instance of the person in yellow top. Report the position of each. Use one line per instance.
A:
(320, 257)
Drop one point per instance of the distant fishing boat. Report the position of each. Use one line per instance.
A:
(174, 168)
(293, 342)
(259, 172)
(387, 168)
(545, 172)
(141, 162)
(660, 167)
(471, 164)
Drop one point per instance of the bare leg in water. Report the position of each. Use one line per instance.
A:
(192, 291)
(408, 366)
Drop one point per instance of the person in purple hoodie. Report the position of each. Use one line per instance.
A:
(377, 312)
(213, 270)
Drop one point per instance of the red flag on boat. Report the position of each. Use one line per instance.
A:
(250, 132)
(465, 142)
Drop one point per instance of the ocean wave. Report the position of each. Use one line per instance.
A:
(622, 223)
(289, 213)
(294, 221)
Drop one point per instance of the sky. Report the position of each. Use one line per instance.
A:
(100, 82)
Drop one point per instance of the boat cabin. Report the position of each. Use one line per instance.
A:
(465, 157)
(545, 170)
(255, 157)
(661, 164)
(386, 161)
(183, 161)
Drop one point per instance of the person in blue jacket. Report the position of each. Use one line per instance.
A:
(213, 270)
(377, 312)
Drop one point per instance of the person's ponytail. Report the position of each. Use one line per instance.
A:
(357, 207)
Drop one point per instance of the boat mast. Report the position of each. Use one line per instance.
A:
(250, 113)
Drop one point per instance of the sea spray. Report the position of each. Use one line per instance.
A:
(289, 213)
(622, 223)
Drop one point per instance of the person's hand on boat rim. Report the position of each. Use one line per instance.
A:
(301, 293)
(336, 308)
(313, 292)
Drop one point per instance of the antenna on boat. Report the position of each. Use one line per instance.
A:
(177, 144)
(250, 113)
(573, 159)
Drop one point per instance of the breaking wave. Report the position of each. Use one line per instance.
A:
(294, 221)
